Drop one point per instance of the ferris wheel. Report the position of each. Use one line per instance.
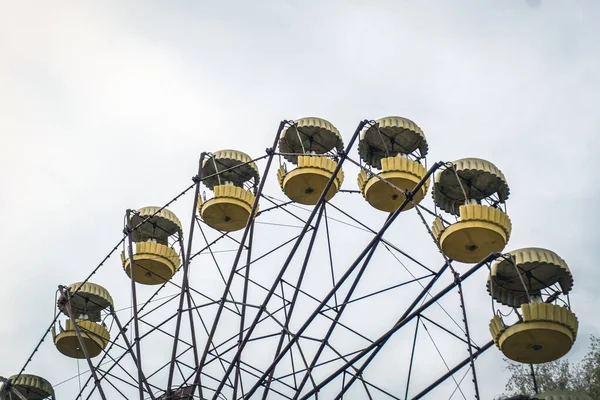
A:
(291, 282)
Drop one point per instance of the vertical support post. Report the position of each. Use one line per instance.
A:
(191, 315)
(412, 356)
(244, 301)
(467, 334)
(186, 255)
(130, 350)
(271, 153)
(65, 292)
(136, 327)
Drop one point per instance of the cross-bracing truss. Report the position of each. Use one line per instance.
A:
(305, 302)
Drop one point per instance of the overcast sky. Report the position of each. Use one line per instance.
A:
(107, 105)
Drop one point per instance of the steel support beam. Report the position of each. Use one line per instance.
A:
(412, 357)
(237, 378)
(136, 327)
(468, 336)
(186, 254)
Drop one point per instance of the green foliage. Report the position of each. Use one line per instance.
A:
(582, 376)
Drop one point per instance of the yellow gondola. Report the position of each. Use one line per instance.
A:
(225, 173)
(544, 331)
(31, 387)
(473, 190)
(388, 145)
(308, 143)
(154, 260)
(87, 301)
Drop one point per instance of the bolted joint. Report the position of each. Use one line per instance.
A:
(127, 231)
(270, 151)
(456, 278)
(196, 179)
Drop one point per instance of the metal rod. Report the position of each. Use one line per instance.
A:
(136, 327)
(275, 207)
(283, 207)
(185, 280)
(129, 349)
(65, 292)
(412, 356)
(293, 364)
(244, 300)
(448, 331)
(467, 334)
(348, 272)
(453, 370)
(192, 326)
(329, 252)
(271, 153)
(381, 291)
(378, 344)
